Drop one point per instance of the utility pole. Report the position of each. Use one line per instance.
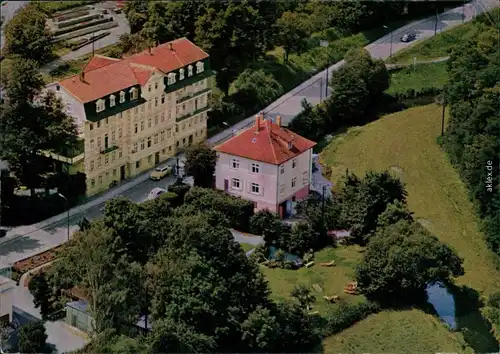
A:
(321, 89)
(436, 25)
(93, 47)
(323, 204)
(442, 116)
(326, 44)
(390, 50)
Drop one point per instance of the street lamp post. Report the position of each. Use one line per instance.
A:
(390, 50)
(67, 206)
(326, 44)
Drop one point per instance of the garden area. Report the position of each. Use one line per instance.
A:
(405, 144)
(25, 265)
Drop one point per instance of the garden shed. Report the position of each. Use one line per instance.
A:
(78, 316)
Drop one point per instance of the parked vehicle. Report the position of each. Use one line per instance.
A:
(408, 37)
(161, 172)
(155, 193)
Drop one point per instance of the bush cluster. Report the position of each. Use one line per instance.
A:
(346, 314)
(423, 92)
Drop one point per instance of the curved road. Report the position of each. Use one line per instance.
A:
(24, 241)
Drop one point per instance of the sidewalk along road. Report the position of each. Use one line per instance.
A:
(23, 241)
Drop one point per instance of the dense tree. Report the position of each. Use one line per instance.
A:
(254, 88)
(27, 36)
(233, 36)
(44, 294)
(363, 200)
(401, 260)
(292, 29)
(394, 212)
(155, 29)
(200, 163)
(136, 13)
(32, 338)
(31, 122)
(301, 239)
(310, 122)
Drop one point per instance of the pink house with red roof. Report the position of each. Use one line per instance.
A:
(267, 164)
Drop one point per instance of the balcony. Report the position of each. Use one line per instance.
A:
(109, 149)
(69, 155)
(193, 95)
(192, 114)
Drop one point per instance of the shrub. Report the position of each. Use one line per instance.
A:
(348, 314)
(494, 300)
(237, 210)
(180, 190)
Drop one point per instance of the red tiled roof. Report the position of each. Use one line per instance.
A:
(99, 61)
(104, 76)
(272, 144)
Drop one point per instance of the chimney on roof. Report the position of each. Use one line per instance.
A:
(82, 76)
(170, 46)
(262, 116)
(257, 123)
(149, 49)
(278, 121)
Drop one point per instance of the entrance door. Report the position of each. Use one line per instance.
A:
(157, 158)
(122, 173)
(226, 184)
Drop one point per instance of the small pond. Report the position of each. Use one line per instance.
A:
(460, 312)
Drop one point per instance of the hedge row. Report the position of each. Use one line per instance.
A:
(412, 93)
(346, 315)
(78, 20)
(82, 26)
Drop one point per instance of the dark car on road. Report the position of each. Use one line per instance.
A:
(408, 37)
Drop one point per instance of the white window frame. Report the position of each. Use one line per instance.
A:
(133, 94)
(190, 70)
(305, 177)
(235, 164)
(282, 169)
(255, 168)
(112, 100)
(282, 189)
(100, 105)
(294, 163)
(255, 188)
(181, 74)
(294, 182)
(171, 78)
(200, 67)
(122, 96)
(236, 183)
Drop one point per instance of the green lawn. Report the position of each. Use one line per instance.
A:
(438, 46)
(422, 76)
(405, 144)
(410, 331)
(332, 280)
(247, 247)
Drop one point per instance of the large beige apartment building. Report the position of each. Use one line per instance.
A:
(137, 112)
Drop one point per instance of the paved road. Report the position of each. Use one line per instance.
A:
(24, 241)
(7, 11)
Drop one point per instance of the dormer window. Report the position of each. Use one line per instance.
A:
(171, 78)
(112, 100)
(100, 105)
(133, 93)
(122, 97)
(181, 74)
(190, 70)
(199, 67)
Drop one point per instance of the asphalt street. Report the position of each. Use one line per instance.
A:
(26, 240)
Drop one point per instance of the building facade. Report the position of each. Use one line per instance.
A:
(6, 299)
(133, 114)
(266, 164)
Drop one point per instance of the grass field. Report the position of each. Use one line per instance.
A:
(405, 143)
(246, 247)
(384, 333)
(423, 75)
(332, 280)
